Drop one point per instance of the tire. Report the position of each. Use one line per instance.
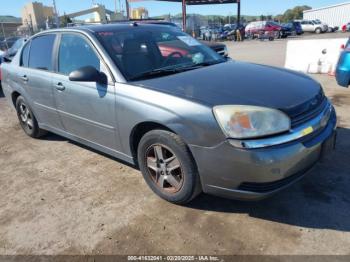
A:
(27, 119)
(318, 31)
(159, 151)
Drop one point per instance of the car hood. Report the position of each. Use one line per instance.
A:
(239, 83)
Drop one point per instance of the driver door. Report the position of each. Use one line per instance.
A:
(86, 109)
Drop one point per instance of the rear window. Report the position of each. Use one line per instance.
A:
(41, 52)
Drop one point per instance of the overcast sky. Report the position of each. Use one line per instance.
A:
(249, 7)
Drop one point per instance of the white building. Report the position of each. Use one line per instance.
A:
(335, 15)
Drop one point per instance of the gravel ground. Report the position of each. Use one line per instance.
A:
(58, 197)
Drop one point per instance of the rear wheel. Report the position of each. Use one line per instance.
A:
(168, 167)
(27, 119)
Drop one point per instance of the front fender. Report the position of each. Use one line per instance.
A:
(193, 122)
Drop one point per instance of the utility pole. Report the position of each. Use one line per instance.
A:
(3, 32)
(57, 20)
(127, 9)
(184, 15)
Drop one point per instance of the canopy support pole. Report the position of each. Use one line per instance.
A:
(238, 12)
(184, 15)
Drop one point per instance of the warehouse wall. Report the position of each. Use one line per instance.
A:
(337, 15)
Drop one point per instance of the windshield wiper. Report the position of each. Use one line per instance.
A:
(155, 72)
(173, 69)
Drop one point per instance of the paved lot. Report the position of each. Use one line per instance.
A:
(57, 197)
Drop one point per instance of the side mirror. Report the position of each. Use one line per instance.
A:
(88, 74)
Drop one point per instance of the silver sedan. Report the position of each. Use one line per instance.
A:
(191, 120)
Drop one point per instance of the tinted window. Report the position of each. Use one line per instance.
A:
(41, 52)
(25, 55)
(75, 52)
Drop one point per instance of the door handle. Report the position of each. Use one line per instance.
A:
(60, 87)
(24, 78)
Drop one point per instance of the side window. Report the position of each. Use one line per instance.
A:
(75, 52)
(41, 52)
(25, 55)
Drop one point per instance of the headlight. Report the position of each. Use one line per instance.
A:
(250, 121)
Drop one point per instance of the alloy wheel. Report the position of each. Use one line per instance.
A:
(164, 168)
(26, 116)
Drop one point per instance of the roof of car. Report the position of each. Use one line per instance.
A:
(95, 28)
(116, 26)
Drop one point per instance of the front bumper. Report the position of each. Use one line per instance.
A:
(253, 174)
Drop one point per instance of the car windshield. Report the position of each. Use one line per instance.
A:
(150, 51)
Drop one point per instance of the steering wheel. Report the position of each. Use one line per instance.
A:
(172, 55)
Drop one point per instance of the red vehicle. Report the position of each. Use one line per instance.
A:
(256, 28)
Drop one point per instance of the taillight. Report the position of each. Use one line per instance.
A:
(342, 46)
(0, 72)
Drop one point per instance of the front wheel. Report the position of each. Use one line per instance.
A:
(27, 119)
(318, 31)
(168, 167)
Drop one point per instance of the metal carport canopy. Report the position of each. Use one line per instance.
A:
(201, 2)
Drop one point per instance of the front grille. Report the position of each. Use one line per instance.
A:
(312, 112)
(271, 186)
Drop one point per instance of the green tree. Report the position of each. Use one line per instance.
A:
(65, 20)
(294, 14)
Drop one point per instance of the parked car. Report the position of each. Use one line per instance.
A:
(256, 28)
(346, 27)
(8, 42)
(294, 27)
(190, 123)
(278, 30)
(219, 48)
(313, 26)
(330, 28)
(343, 67)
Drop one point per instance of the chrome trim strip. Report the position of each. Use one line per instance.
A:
(303, 130)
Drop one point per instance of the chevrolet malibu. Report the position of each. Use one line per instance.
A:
(190, 120)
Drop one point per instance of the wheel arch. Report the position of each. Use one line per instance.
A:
(139, 131)
(14, 97)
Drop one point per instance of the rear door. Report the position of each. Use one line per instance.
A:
(87, 109)
(35, 75)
